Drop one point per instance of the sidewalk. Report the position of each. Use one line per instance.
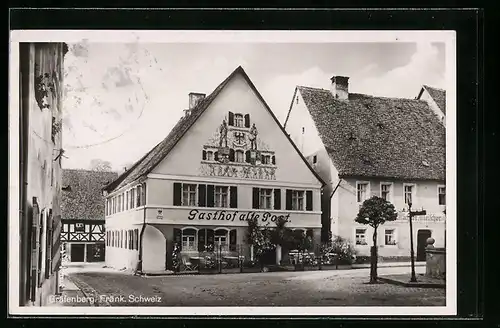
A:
(423, 281)
(71, 295)
(388, 265)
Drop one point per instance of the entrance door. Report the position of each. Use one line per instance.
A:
(422, 236)
(77, 252)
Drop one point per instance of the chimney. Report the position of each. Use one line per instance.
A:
(340, 87)
(195, 98)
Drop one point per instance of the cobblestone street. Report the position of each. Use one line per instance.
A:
(313, 288)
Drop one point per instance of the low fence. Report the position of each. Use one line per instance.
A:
(240, 259)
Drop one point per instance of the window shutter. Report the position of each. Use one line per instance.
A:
(233, 193)
(137, 239)
(277, 199)
(288, 199)
(201, 239)
(178, 237)
(210, 195)
(210, 237)
(231, 155)
(202, 195)
(309, 200)
(255, 198)
(231, 119)
(247, 156)
(204, 155)
(216, 156)
(232, 237)
(177, 194)
(273, 159)
(247, 120)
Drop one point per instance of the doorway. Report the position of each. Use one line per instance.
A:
(422, 236)
(78, 253)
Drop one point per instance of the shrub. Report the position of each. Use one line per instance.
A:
(342, 248)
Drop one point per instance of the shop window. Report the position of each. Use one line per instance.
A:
(361, 237)
(390, 237)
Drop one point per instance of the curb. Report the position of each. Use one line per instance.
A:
(412, 284)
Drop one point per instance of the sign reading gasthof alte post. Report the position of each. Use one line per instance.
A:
(236, 215)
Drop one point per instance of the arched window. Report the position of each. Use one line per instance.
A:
(188, 239)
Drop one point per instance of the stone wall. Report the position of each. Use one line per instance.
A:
(436, 262)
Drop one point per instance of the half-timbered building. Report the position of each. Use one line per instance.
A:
(83, 230)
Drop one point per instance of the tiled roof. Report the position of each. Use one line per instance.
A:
(439, 96)
(158, 153)
(379, 137)
(82, 194)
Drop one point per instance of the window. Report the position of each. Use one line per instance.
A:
(239, 156)
(221, 239)
(221, 195)
(188, 239)
(238, 120)
(79, 227)
(361, 191)
(210, 156)
(385, 191)
(442, 195)
(266, 159)
(265, 198)
(188, 194)
(408, 193)
(138, 196)
(361, 237)
(298, 200)
(389, 237)
(132, 198)
(315, 159)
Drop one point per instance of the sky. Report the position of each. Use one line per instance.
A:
(120, 100)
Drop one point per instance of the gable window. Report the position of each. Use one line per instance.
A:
(239, 156)
(390, 237)
(361, 191)
(298, 200)
(210, 155)
(442, 195)
(221, 196)
(361, 237)
(408, 193)
(265, 198)
(266, 159)
(188, 194)
(315, 159)
(386, 191)
(79, 227)
(238, 120)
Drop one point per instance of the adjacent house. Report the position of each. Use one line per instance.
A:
(228, 159)
(40, 155)
(82, 208)
(436, 98)
(363, 146)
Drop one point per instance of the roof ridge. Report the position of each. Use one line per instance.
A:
(435, 88)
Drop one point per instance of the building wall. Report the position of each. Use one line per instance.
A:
(184, 165)
(432, 104)
(43, 176)
(426, 197)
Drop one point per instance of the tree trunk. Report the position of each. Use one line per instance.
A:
(374, 258)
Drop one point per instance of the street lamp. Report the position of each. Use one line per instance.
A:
(412, 253)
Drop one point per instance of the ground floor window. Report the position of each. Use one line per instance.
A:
(361, 237)
(390, 238)
(188, 239)
(192, 239)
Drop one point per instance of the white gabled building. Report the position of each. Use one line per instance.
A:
(363, 146)
(226, 160)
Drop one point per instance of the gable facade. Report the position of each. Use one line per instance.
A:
(233, 163)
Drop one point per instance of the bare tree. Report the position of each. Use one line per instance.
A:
(100, 165)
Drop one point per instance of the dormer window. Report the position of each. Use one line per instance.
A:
(238, 120)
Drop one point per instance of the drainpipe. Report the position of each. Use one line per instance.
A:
(331, 195)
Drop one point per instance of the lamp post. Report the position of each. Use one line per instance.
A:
(412, 253)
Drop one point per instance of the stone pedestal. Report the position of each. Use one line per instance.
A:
(435, 260)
